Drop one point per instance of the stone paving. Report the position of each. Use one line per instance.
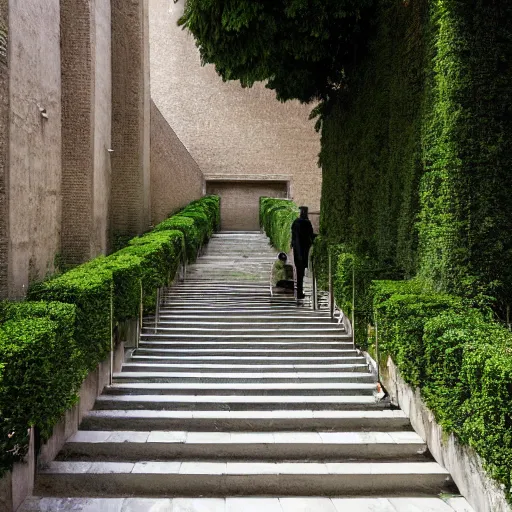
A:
(236, 401)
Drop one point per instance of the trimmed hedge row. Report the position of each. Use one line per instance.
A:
(197, 221)
(462, 361)
(449, 347)
(276, 218)
(40, 372)
(48, 346)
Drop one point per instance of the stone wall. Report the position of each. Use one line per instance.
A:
(130, 118)
(4, 143)
(102, 128)
(34, 181)
(227, 129)
(175, 176)
(86, 127)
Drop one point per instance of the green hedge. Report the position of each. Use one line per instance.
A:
(197, 221)
(276, 218)
(151, 260)
(47, 347)
(415, 152)
(41, 370)
(461, 360)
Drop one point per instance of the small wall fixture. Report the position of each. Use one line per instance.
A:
(43, 112)
(110, 150)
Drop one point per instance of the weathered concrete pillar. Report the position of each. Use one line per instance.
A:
(34, 152)
(4, 144)
(131, 117)
(86, 127)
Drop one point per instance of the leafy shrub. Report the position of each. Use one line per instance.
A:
(89, 287)
(160, 254)
(276, 218)
(47, 347)
(40, 373)
(401, 318)
(462, 361)
(189, 229)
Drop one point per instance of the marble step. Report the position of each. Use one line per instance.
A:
(362, 419)
(183, 478)
(163, 356)
(169, 336)
(147, 363)
(247, 390)
(255, 345)
(167, 356)
(147, 375)
(304, 446)
(219, 402)
(248, 504)
(248, 329)
(286, 317)
(241, 352)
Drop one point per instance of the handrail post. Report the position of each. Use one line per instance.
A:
(377, 347)
(111, 373)
(331, 287)
(353, 299)
(157, 309)
(141, 313)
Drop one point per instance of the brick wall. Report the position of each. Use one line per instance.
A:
(130, 117)
(34, 141)
(175, 176)
(229, 130)
(4, 143)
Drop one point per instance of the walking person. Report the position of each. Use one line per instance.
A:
(302, 239)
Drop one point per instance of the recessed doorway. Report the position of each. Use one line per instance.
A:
(239, 201)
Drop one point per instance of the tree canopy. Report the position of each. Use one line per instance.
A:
(301, 48)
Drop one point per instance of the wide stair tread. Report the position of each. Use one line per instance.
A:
(232, 393)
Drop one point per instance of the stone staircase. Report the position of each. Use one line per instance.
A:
(239, 402)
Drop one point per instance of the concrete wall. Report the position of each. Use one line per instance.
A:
(229, 130)
(175, 176)
(131, 117)
(240, 201)
(102, 127)
(34, 142)
(4, 144)
(86, 127)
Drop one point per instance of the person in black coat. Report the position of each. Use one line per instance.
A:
(302, 239)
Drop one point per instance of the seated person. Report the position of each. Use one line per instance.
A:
(282, 274)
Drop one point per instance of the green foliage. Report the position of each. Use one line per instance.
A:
(401, 317)
(276, 218)
(160, 254)
(461, 359)
(301, 48)
(415, 153)
(89, 287)
(40, 372)
(197, 221)
(189, 229)
(47, 347)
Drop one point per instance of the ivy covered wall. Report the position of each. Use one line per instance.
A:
(417, 150)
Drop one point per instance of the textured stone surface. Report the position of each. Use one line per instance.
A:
(86, 128)
(77, 18)
(34, 141)
(463, 462)
(239, 206)
(229, 130)
(130, 118)
(4, 144)
(176, 179)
